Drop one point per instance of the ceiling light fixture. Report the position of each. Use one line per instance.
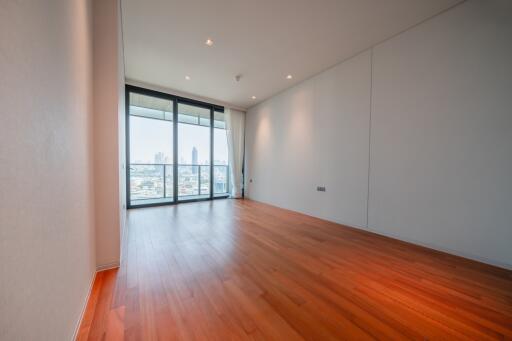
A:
(289, 77)
(187, 78)
(253, 97)
(209, 42)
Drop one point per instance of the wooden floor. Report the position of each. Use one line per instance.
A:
(238, 269)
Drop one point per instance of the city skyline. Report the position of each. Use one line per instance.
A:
(151, 137)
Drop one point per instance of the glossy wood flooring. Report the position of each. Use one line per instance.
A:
(238, 269)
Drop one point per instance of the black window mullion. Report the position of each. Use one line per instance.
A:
(176, 99)
(211, 150)
(127, 145)
(175, 150)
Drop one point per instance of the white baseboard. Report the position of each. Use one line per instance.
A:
(502, 265)
(107, 266)
(99, 268)
(84, 306)
(435, 247)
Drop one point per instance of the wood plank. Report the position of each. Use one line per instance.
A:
(243, 270)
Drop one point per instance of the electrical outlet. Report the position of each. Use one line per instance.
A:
(320, 188)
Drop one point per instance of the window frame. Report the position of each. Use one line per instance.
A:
(175, 100)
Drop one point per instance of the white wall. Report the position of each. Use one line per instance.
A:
(441, 142)
(314, 134)
(108, 121)
(121, 129)
(47, 256)
(441, 146)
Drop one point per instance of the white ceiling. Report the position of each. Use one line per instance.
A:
(263, 40)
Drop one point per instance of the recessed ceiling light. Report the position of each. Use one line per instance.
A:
(289, 77)
(187, 78)
(209, 42)
(253, 97)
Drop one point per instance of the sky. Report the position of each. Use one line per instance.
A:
(149, 136)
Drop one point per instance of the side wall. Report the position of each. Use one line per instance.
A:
(440, 144)
(314, 134)
(441, 148)
(47, 255)
(108, 98)
(121, 131)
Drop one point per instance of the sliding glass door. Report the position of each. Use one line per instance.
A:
(194, 152)
(176, 149)
(220, 156)
(150, 150)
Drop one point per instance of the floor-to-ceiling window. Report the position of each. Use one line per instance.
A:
(151, 150)
(176, 149)
(194, 152)
(220, 155)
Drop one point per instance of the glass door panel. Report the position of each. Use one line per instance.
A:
(177, 149)
(220, 156)
(193, 152)
(150, 174)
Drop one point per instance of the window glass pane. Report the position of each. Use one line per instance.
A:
(193, 144)
(151, 169)
(204, 121)
(187, 119)
(205, 180)
(150, 107)
(150, 141)
(169, 188)
(168, 116)
(188, 180)
(218, 120)
(220, 180)
(192, 114)
(193, 152)
(150, 149)
(146, 182)
(220, 156)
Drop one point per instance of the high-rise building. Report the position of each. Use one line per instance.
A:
(194, 160)
(159, 158)
(194, 155)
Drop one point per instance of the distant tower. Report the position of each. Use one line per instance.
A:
(194, 155)
(159, 158)
(194, 160)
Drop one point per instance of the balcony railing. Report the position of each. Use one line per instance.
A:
(155, 181)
